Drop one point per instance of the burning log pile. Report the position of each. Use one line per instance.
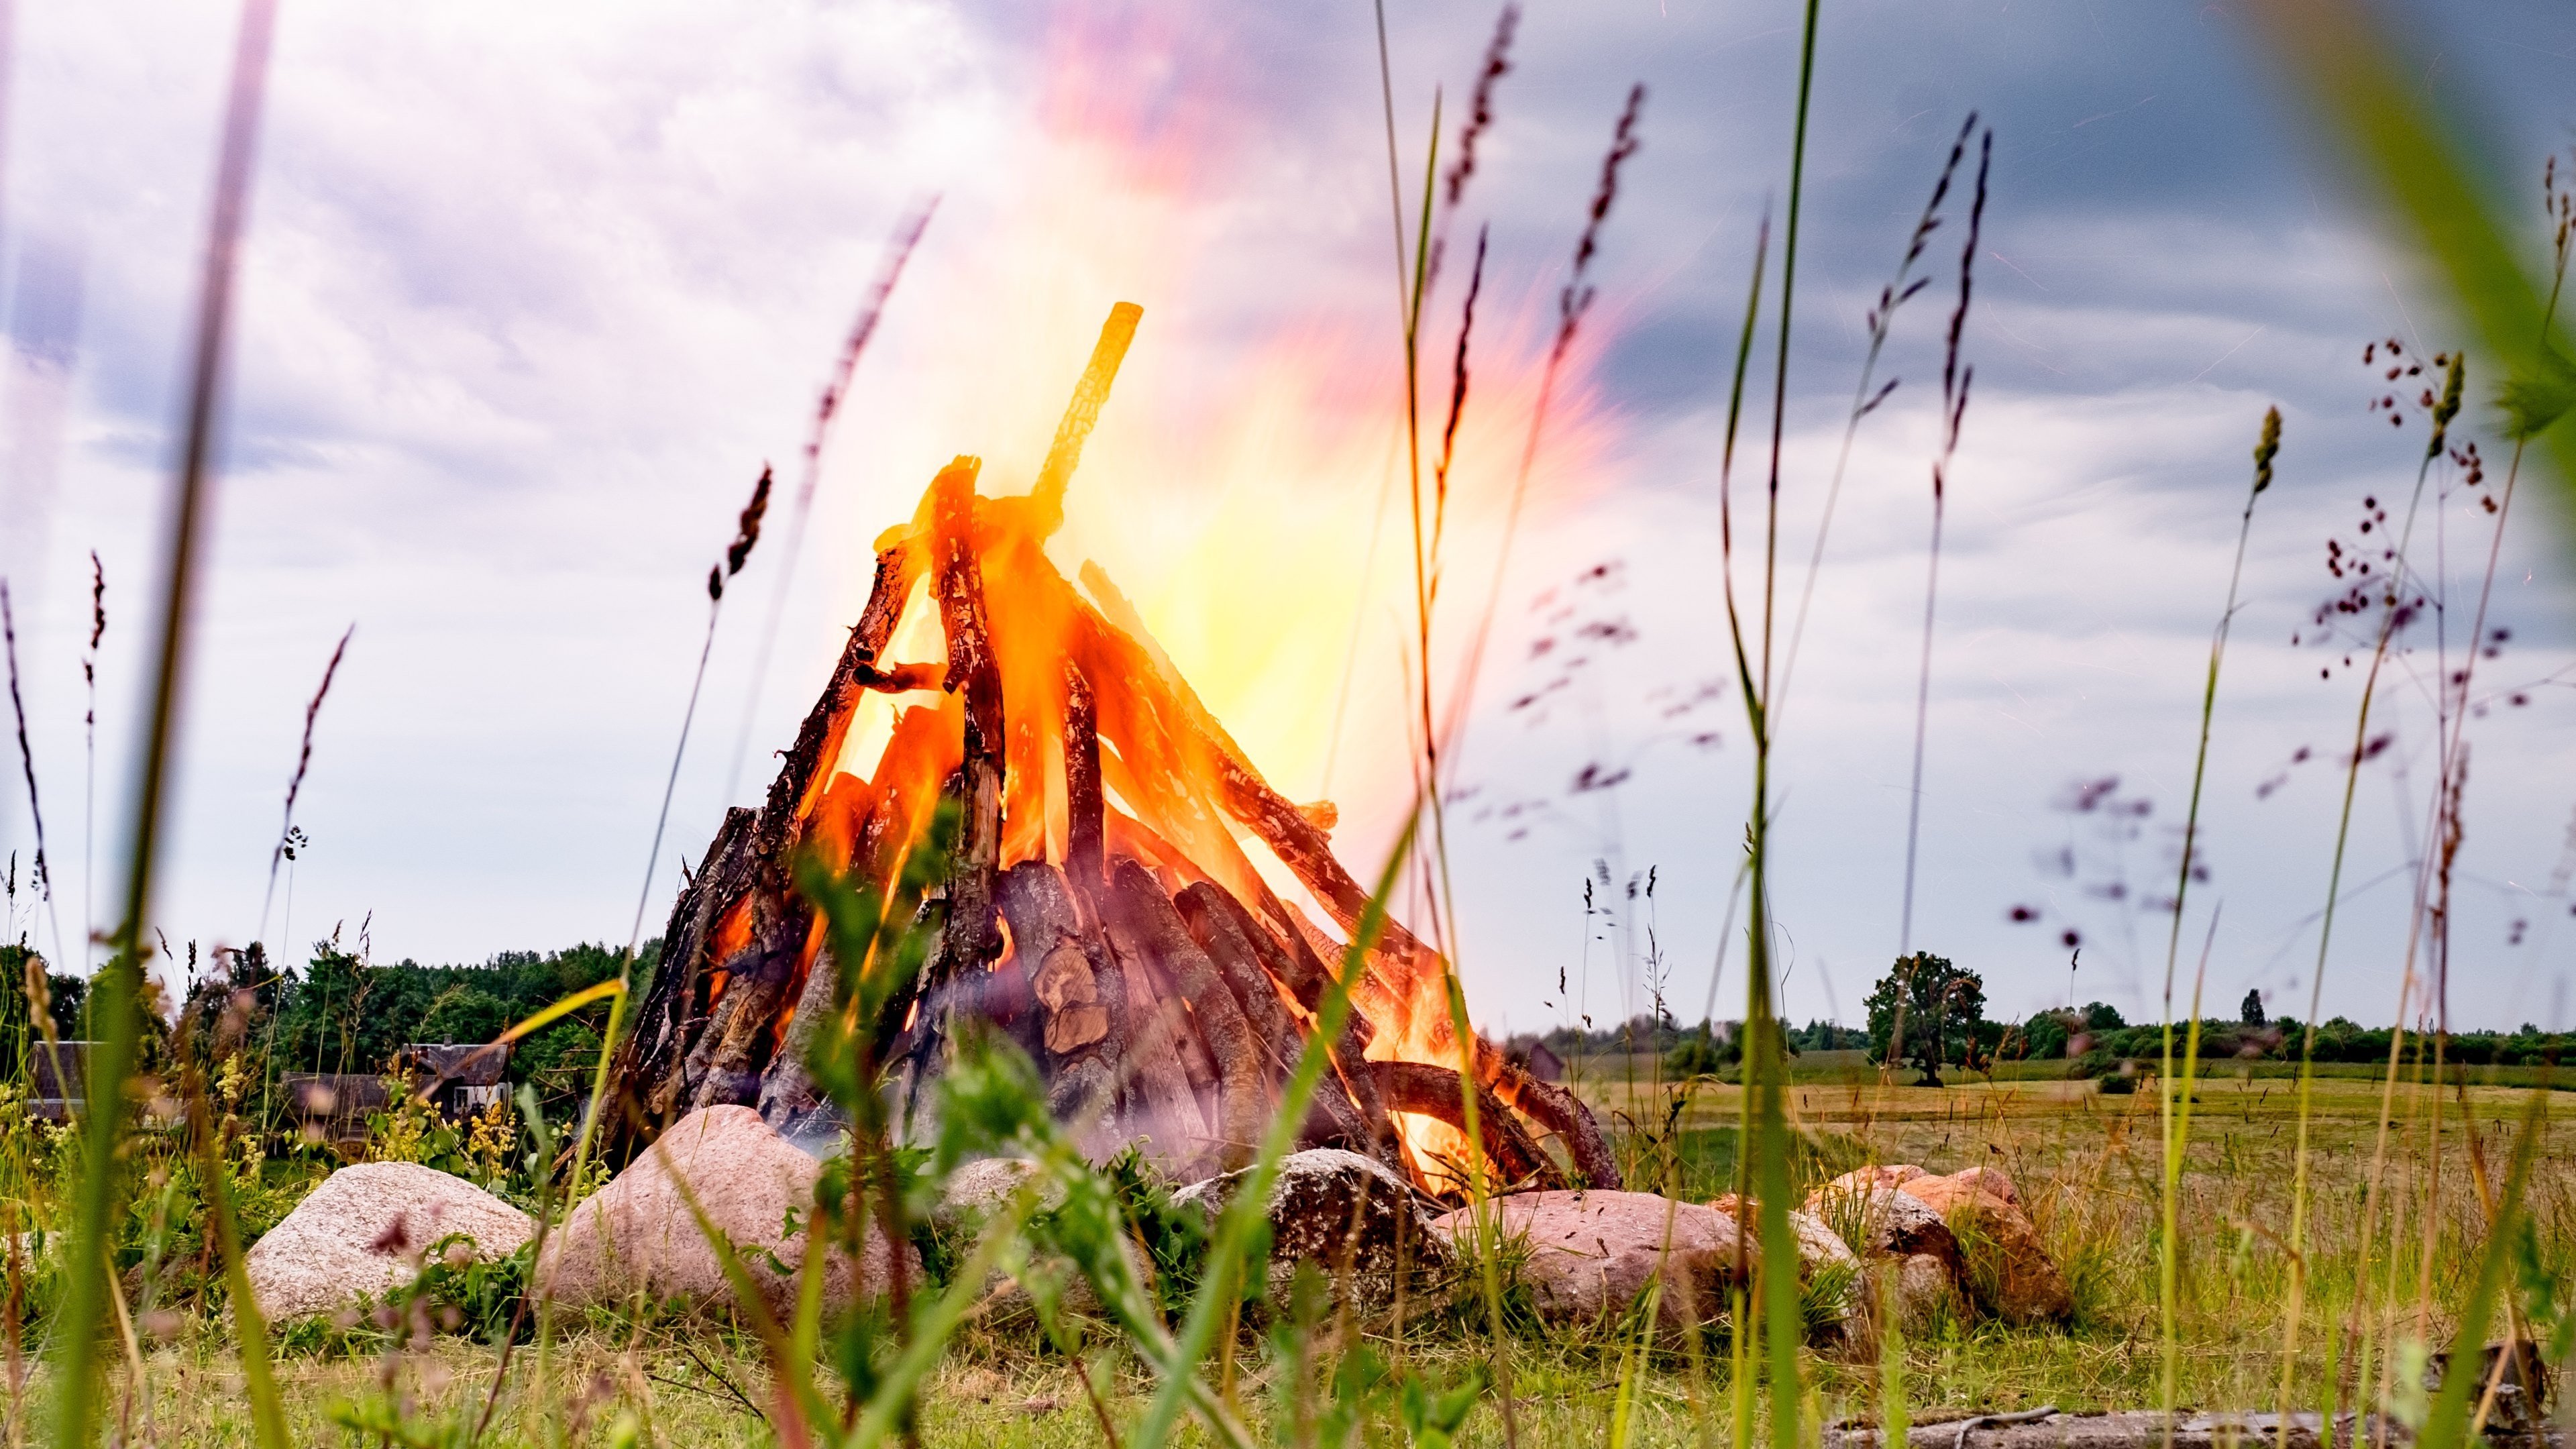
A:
(1102, 907)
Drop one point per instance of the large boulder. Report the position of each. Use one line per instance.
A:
(1825, 1263)
(638, 1233)
(364, 1232)
(1592, 1252)
(1883, 1222)
(1971, 1222)
(1349, 1215)
(2008, 1271)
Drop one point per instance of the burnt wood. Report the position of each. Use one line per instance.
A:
(1085, 853)
(1242, 1074)
(675, 1002)
(1429, 1091)
(1159, 1099)
(749, 854)
(1250, 960)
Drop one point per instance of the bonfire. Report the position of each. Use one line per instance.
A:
(1127, 897)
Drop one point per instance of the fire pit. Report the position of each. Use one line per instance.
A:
(1103, 908)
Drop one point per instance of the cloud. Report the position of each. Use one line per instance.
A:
(530, 296)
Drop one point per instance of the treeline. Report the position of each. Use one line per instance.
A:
(338, 1013)
(2097, 1036)
(1716, 1042)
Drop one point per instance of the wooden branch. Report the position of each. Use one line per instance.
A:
(972, 668)
(1236, 944)
(902, 678)
(1158, 1098)
(1046, 942)
(1242, 1075)
(655, 1064)
(1557, 1110)
(1429, 1091)
(647, 1062)
(1084, 858)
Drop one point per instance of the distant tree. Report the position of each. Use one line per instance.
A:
(1941, 1007)
(2046, 1035)
(2101, 1016)
(1709, 1048)
(2251, 1013)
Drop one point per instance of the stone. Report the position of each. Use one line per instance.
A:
(1821, 1253)
(1884, 1222)
(976, 1188)
(2006, 1269)
(638, 1233)
(1860, 1179)
(363, 1232)
(1591, 1253)
(1926, 1292)
(1349, 1215)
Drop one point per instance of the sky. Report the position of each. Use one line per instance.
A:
(528, 298)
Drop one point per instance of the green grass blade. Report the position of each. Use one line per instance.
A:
(2448, 1425)
(117, 1004)
(1251, 1200)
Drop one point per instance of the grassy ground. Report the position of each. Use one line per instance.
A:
(2087, 1164)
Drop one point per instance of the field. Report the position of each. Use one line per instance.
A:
(1012, 935)
(2088, 1165)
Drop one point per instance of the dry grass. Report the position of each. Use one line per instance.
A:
(2088, 1166)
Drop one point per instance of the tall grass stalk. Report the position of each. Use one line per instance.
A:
(2391, 615)
(2174, 1111)
(295, 786)
(1867, 393)
(1767, 1066)
(116, 1001)
(89, 760)
(736, 555)
(2266, 448)
(1413, 270)
(1955, 381)
(1246, 1211)
(44, 872)
(899, 249)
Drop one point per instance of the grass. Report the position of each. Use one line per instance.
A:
(2365, 1198)
(2089, 1166)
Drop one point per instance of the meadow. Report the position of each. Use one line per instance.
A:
(2289, 1233)
(2090, 1166)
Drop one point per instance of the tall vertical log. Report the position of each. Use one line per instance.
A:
(1226, 931)
(1046, 942)
(1242, 1082)
(1085, 857)
(972, 940)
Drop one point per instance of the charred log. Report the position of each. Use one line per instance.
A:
(972, 668)
(1242, 1077)
(749, 854)
(1555, 1109)
(1085, 856)
(1236, 945)
(1429, 1091)
(675, 1004)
